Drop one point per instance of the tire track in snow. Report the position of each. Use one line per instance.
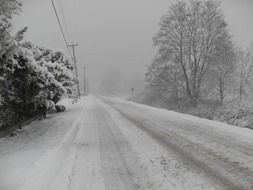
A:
(119, 163)
(45, 169)
(173, 141)
(86, 173)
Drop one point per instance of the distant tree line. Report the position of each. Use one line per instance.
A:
(196, 56)
(31, 76)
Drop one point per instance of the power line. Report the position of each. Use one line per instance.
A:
(66, 43)
(69, 37)
(62, 32)
(75, 19)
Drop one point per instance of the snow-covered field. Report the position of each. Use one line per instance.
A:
(112, 144)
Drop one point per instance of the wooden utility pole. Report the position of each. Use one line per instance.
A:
(74, 59)
(84, 81)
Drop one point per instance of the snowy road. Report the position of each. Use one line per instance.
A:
(111, 144)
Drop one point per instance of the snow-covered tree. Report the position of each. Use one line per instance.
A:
(54, 69)
(29, 75)
(9, 8)
(32, 75)
(8, 44)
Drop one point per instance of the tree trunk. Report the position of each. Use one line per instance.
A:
(221, 89)
(221, 94)
(177, 99)
(240, 91)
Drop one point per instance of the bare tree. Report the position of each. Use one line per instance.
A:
(188, 35)
(166, 77)
(245, 59)
(224, 65)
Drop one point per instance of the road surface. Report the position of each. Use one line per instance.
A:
(111, 144)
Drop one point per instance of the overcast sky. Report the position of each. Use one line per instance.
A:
(115, 33)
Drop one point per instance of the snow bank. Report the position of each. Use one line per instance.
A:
(237, 132)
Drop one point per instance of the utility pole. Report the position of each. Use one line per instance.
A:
(74, 59)
(84, 81)
(87, 86)
(132, 90)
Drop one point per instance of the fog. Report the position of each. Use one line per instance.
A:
(115, 36)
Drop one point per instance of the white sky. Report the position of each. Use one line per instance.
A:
(116, 33)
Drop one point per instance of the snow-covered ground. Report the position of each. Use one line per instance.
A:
(20, 153)
(112, 144)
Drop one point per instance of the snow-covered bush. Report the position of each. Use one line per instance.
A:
(32, 78)
(238, 115)
(51, 106)
(60, 108)
(54, 71)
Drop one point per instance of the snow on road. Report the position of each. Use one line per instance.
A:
(111, 144)
(221, 152)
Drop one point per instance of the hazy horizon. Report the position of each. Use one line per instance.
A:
(115, 34)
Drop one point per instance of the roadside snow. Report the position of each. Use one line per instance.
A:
(238, 133)
(19, 155)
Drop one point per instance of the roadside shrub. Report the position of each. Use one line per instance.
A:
(51, 106)
(60, 108)
(235, 115)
